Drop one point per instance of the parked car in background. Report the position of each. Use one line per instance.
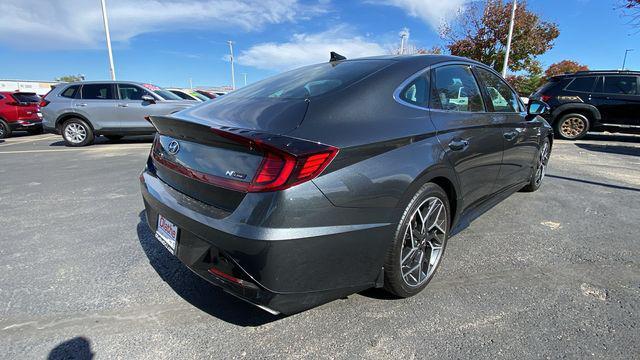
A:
(592, 101)
(333, 178)
(80, 111)
(19, 111)
(188, 95)
(207, 94)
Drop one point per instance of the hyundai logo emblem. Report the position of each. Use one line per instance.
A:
(173, 147)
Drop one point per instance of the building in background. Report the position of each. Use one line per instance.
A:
(35, 86)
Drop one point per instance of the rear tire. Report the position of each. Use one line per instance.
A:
(76, 132)
(572, 126)
(114, 137)
(419, 242)
(5, 130)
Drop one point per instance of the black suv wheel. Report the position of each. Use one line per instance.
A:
(572, 126)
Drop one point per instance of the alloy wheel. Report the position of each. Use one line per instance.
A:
(543, 160)
(75, 133)
(423, 242)
(572, 127)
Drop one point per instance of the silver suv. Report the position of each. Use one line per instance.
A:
(80, 111)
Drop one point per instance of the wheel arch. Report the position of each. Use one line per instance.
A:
(590, 111)
(64, 117)
(446, 179)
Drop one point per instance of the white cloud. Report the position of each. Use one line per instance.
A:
(69, 24)
(305, 49)
(432, 12)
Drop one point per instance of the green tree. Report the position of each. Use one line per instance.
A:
(564, 66)
(481, 31)
(70, 78)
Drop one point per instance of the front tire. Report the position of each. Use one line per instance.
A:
(419, 242)
(5, 130)
(77, 132)
(572, 126)
(540, 169)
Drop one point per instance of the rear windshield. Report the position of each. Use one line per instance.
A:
(26, 97)
(311, 81)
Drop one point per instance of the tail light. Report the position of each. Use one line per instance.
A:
(286, 162)
(545, 98)
(44, 103)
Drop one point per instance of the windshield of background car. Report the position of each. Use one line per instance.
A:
(164, 94)
(311, 81)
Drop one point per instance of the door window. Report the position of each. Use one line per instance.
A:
(97, 92)
(455, 89)
(416, 92)
(622, 85)
(503, 99)
(131, 92)
(582, 84)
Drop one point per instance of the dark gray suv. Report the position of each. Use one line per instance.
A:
(337, 177)
(80, 111)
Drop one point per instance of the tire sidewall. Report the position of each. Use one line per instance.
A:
(88, 139)
(532, 186)
(6, 128)
(393, 273)
(558, 126)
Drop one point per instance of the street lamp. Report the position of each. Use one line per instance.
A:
(233, 73)
(624, 62)
(112, 71)
(506, 55)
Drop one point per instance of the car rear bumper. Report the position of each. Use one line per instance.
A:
(26, 124)
(280, 271)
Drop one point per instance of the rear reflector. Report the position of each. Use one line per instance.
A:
(219, 273)
(545, 98)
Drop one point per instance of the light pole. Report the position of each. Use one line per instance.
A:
(404, 35)
(506, 55)
(112, 71)
(624, 62)
(245, 78)
(233, 74)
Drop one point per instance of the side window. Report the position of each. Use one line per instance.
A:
(71, 91)
(455, 89)
(623, 85)
(417, 91)
(131, 92)
(503, 99)
(97, 92)
(582, 84)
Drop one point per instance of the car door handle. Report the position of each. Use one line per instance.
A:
(123, 105)
(81, 105)
(510, 135)
(458, 144)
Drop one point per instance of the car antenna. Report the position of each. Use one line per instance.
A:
(336, 57)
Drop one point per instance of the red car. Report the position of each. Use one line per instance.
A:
(19, 111)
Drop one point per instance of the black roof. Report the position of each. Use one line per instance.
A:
(599, 72)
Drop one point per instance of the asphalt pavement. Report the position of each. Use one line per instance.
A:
(551, 274)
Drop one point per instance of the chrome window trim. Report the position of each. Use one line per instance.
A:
(396, 93)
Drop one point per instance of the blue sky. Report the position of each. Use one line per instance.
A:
(166, 42)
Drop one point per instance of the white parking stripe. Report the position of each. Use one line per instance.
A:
(93, 149)
(22, 141)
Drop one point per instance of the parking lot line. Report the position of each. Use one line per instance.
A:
(22, 141)
(94, 149)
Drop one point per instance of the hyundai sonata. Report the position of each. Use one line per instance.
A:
(338, 177)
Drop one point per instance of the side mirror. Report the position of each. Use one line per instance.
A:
(537, 107)
(149, 99)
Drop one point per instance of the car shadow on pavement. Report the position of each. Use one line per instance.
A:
(196, 290)
(613, 186)
(77, 348)
(101, 140)
(613, 137)
(611, 149)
